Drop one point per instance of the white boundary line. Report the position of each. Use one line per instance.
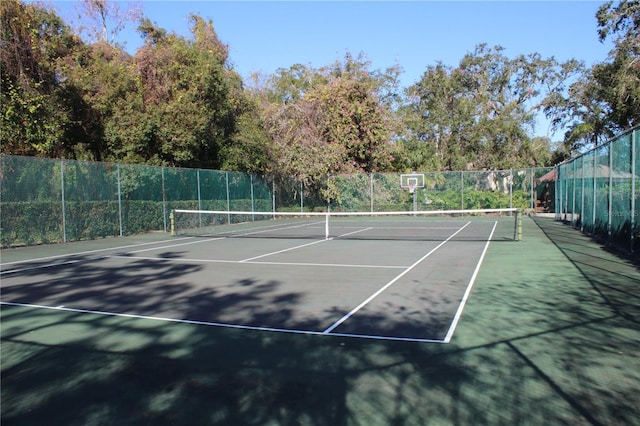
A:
(89, 251)
(463, 302)
(52, 265)
(118, 248)
(218, 324)
(195, 241)
(322, 214)
(374, 295)
(328, 331)
(91, 259)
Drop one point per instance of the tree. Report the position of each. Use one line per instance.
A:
(480, 114)
(327, 121)
(185, 105)
(606, 98)
(34, 40)
(103, 20)
(353, 117)
(619, 79)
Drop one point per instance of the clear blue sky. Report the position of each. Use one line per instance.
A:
(265, 35)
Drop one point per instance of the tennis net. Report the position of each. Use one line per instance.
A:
(484, 225)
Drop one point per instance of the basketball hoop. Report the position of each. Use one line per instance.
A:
(411, 182)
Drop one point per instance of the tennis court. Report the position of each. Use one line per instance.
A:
(378, 277)
(239, 330)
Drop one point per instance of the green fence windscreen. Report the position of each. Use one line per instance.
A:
(46, 201)
(598, 191)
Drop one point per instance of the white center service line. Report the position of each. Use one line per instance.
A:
(386, 286)
(281, 251)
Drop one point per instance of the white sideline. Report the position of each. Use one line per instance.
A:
(463, 302)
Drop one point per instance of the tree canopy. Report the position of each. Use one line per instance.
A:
(73, 92)
(605, 99)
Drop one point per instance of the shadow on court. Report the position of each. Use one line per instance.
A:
(548, 337)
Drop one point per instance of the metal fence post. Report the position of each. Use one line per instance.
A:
(226, 175)
(573, 194)
(595, 187)
(273, 197)
(119, 199)
(532, 190)
(64, 210)
(164, 200)
(510, 188)
(301, 197)
(633, 190)
(253, 206)
(582, 193)
(462, 190)
(610, 208)
(371, 190)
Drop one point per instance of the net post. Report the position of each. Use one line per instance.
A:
(519, 225)
(172, 223)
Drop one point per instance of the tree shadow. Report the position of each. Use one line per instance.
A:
(614, 278)
(538, 359)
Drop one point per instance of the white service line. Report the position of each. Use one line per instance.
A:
(274, 228)
(197, 241)
(354, 232)
(374, 295)
(306, 264)
(303, 245)
(463, 302)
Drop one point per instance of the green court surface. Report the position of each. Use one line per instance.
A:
(161, 331)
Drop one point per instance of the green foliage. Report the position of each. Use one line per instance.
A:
(354, 118)
(478, 115)
(33, 38)
(327, 122)
(29, 125)
(606, 98)
(177, 101)
(186, 104)
(30, 223)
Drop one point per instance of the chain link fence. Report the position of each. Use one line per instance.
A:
(51, 201)
(597, 192)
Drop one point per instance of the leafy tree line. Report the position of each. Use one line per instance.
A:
(76, 93)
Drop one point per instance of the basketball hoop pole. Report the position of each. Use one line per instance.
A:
(412, 190)
(415, 201)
